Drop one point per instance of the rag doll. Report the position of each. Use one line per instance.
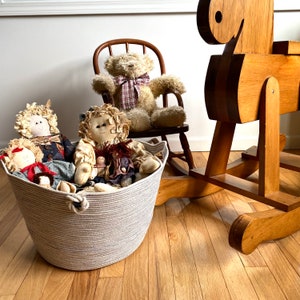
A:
(24, 159)
(105, 155)
(39, 124)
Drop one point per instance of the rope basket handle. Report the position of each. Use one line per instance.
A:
(77, 203)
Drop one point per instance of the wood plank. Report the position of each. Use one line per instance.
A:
(160, 264)
(58, 285)
(114, 270)
(12, 245)
(284, 273)
(12, 278)
(289, 246)
(109, 288)
(34, 283)
(185, 275)
(235, 276)
(87, 281)
(8, 222)
(136, 273)
(8, 200)
(264, 283)
(210, 275)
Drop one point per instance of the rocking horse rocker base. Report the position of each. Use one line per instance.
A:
(251, 229)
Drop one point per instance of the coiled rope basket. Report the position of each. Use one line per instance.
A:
(77, 232)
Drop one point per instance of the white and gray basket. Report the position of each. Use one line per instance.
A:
(87, 232)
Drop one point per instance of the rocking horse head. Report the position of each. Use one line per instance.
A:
(249, 21)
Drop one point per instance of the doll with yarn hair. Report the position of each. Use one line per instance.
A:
(39, 124)
(24, 159)
(104, 151)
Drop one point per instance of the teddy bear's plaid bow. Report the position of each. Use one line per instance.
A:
(130, 89)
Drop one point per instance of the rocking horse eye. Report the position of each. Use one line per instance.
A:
(218, 17)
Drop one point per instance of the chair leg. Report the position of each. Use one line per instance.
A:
(185, 155)
(186, 150)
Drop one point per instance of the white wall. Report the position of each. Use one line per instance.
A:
(51, 57)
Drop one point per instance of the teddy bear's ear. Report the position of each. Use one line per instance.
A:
(148, 61)
(109, 64)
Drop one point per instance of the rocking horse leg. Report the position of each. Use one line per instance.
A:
(192, 187)
(250, 229)
(220, 148)
(269, 152)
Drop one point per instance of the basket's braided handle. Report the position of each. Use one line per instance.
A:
(77, 204)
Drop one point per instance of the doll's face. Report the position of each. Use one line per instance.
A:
(39, 126)
(100, 129)
(23, 158)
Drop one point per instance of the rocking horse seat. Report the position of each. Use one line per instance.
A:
(233, 84)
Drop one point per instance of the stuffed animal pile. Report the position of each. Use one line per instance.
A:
(103, 160)
(128, 86)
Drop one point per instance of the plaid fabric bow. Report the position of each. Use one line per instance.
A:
(130, 89)
(41, 168)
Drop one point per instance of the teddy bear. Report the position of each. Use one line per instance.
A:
(24, 159)
(39, 124)
(129, 88)
(105, 156)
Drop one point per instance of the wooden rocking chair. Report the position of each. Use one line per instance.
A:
(125, 45)
(254, 79)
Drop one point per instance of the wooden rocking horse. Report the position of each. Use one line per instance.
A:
(254, 79)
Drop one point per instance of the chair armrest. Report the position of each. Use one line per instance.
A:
(176, 94)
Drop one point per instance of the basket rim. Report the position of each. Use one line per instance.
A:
(161, 144)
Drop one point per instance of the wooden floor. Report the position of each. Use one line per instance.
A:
(185, 255)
